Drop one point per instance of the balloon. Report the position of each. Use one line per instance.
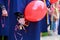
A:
(53, 1)
(35, 11)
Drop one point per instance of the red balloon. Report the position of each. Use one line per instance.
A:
(35, 11)
(53, 1)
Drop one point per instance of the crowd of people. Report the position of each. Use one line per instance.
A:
(12, 13)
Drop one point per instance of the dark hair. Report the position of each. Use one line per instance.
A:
(18, 14)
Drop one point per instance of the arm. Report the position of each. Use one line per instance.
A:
(56, 14)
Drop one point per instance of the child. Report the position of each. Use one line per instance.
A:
(20, 28)
(54, 17)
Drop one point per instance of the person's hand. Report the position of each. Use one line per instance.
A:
(4, 13)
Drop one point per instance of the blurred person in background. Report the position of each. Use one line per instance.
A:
(3, 22)
(57, 14)
(54, 17)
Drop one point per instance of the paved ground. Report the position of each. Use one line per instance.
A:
(51, 37)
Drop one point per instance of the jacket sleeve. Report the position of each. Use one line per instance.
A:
(2, 4)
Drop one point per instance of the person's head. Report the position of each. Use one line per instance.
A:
(20, 17)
